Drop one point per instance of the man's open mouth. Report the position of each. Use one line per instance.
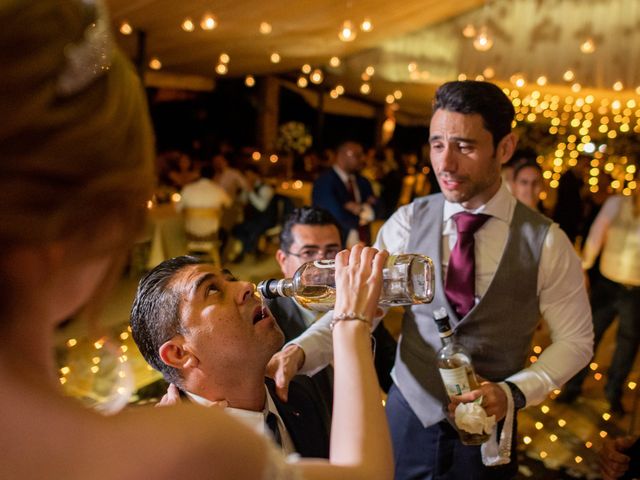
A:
(260, 314)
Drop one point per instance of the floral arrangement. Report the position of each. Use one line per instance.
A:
(293, 137)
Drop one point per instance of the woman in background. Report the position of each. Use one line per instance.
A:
(528, 184)
(75, 174)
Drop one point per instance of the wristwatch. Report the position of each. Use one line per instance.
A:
(519, 400)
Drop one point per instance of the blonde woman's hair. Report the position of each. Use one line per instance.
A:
(67, 162)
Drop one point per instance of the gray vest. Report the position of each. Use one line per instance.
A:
(497, 332)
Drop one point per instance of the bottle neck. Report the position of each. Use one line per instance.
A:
(446, 338)
(272, 288)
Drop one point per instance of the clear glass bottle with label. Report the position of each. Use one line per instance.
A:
(456, 370)
(407, 279)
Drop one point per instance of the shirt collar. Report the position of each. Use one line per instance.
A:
(250, 417)
(500, 206)
(344, 176)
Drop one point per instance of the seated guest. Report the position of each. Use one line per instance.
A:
(310, 234)
(347, 195)
(203, 194)
(209, 335)
(264, 210)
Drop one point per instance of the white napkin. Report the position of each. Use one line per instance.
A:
(494, 453)
(472, 418)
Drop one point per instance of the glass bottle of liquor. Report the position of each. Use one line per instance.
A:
(407, 279)
(456, 370)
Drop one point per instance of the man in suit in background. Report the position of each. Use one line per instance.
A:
(347, 195)
(208, 334)
(310, 234)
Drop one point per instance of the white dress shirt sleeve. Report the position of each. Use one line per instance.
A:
(565, 307)
(317, 341)
(261, 199)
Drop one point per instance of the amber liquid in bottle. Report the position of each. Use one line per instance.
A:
(407, 279)
(456, 371)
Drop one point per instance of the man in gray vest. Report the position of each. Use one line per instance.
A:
(500, 266)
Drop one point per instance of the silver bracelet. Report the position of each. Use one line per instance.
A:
(348, 316)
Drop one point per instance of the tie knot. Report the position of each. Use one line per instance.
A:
(469, 222)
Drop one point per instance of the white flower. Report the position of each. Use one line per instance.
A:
(293, 137)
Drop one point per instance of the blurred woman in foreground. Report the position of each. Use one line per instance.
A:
(75, 174)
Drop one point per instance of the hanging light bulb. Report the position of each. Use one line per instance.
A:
(568, 76)
(469, 31)
(489, 72)
(347, 33)
(542, 80)
(208, 22)
(250, 81)
(126, 28)
(224, 58)
(302, 81)
(316, 76)
(187, 25)
(483, 41)
(334, 62)
(265, 28)
(618, 86)
(155, 63)
(306, 68)
(366, 25)
(588, 46)
(275, 57)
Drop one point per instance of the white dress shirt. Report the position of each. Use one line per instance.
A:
(203, 193)
(255, 420)
(562, 297)
(616, 233)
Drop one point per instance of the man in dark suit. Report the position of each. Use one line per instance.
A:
(310, 234)
(209, 335)
(347, 195)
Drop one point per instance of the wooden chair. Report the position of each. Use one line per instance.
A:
(197, 220)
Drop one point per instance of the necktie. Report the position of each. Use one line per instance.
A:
(363, 230)
(460, 284)
(271, 421)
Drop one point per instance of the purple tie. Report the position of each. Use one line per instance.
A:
(460, 284)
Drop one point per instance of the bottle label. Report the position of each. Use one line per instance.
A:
(455, 380)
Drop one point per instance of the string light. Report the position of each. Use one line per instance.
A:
(347, 33)
(469, 31)
(483, 41)
(366, 25)
(334, 62)
(275, 57)
(316, 76)
(208, 22)
(126, 28)
(155, 63)
(588, 46)
(187, 25)
(265, 28)
(249, 81)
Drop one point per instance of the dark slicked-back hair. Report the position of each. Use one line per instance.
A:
(484, 98)
(304, 216)
(155, 315)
